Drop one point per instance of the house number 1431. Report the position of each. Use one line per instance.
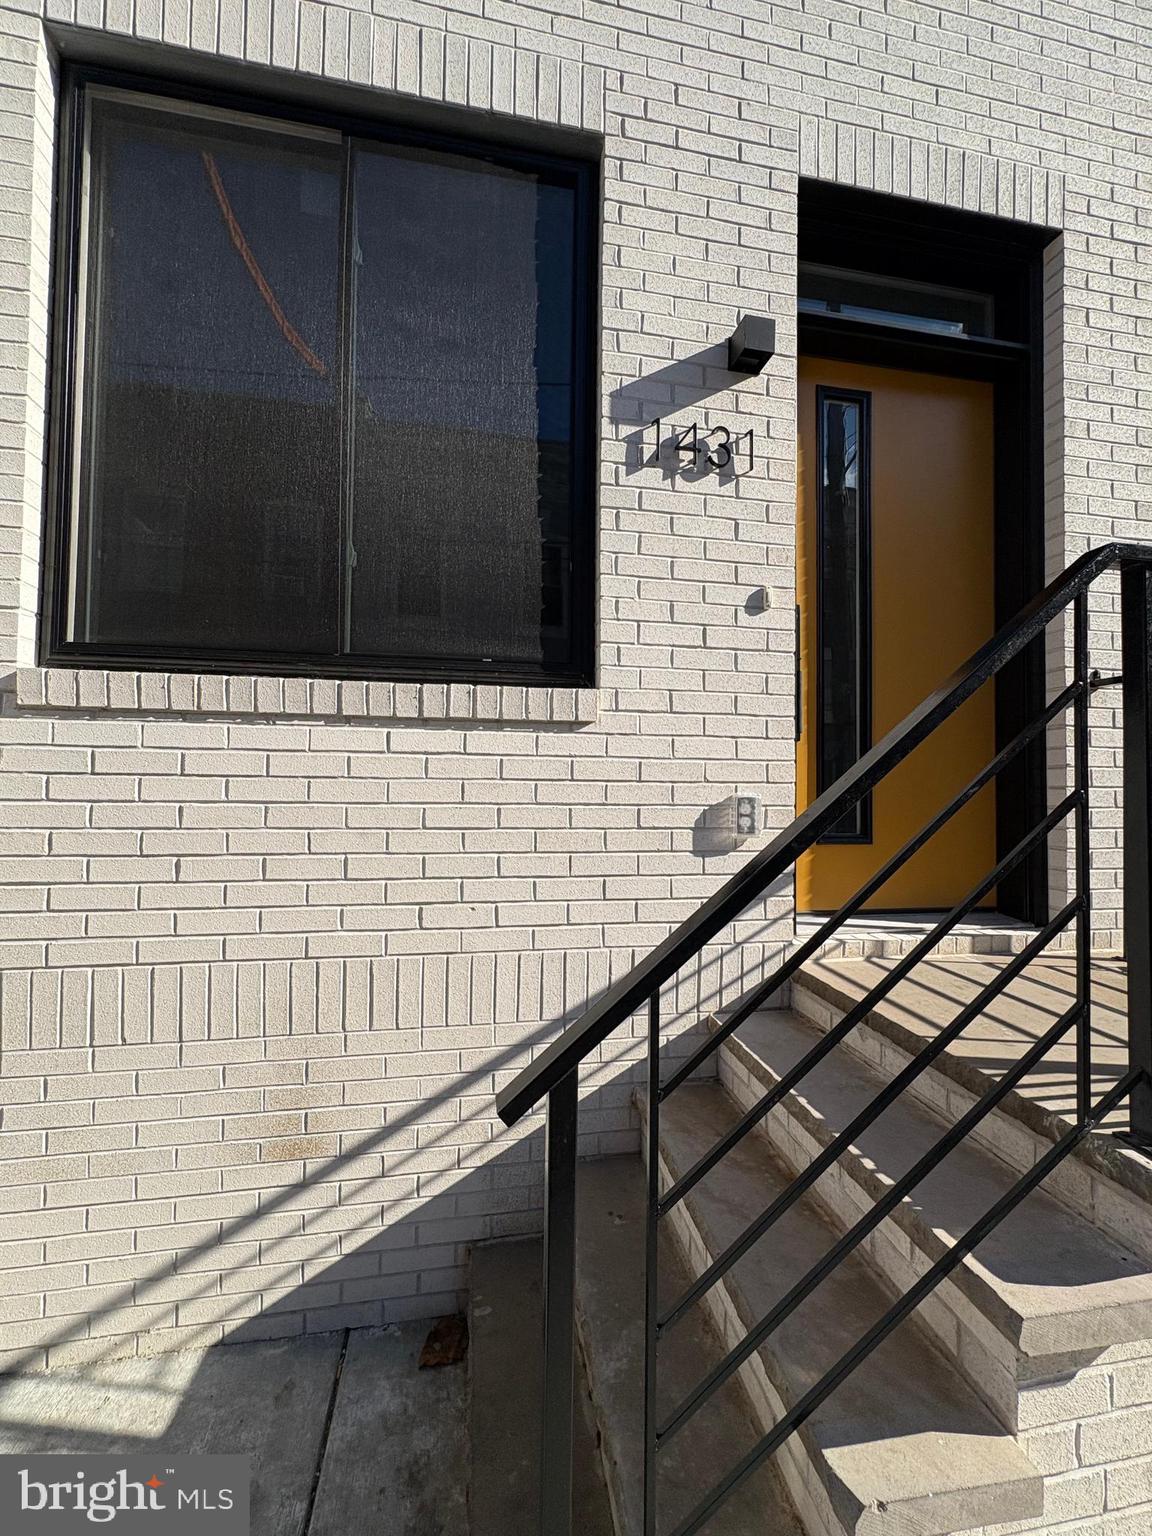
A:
(702, 449)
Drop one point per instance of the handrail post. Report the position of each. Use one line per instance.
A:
(1083, 873)
(651, 1275)
(1136, 653)
(559, 1306)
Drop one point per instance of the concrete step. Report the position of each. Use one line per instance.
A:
(506, 1360)
(1104, 1181)
(904, 1446)
(610, 1280)
(1043, 1285)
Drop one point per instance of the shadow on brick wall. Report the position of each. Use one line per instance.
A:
(348, 1244)
(296, 1264)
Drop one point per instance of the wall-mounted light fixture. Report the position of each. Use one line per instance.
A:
(751, 344)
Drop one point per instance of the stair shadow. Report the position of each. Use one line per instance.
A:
(928, 999)
(903, 1391)
(1040, 1244)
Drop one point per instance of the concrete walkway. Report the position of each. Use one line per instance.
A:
(938, 988)
(347, 1437)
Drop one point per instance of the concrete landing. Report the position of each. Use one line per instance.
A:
(888, 935)
(346, 1437)
(918, 1007)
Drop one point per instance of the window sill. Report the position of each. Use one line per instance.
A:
(204, 693)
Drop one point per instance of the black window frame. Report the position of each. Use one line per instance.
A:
(64, 410)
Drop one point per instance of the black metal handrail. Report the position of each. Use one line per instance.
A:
(820, 1164)
(554, 1073)
(756, 999)
(625, 996)
(877, 994)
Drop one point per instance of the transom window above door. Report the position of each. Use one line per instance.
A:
(898, 301)
(327, 398)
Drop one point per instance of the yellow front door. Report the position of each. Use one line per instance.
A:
(895, 589)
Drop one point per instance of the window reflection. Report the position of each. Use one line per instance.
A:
(210, 437)
(463, 383)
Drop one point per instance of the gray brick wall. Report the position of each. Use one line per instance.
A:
(271, 946)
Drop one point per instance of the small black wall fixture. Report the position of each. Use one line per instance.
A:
(751, 344)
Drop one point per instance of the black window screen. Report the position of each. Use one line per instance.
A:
(462, 435)
(331, 399)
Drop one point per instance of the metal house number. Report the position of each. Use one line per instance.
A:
(717, 448)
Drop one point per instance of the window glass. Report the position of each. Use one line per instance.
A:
(894, 301)
(844, 726)
(329, 399)
(210, 443)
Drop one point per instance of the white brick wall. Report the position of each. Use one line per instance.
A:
(270, 948)
(1088, 1429)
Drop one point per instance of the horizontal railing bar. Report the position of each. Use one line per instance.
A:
(928, 1282)
(872, 1112)
(625, 995)
(1096, 680)
(862, 1008)
(867, 1223)
(753, 1003)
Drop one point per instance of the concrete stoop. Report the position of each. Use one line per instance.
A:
(1050, 1321)
(1104, 1181)
(610, 1311)
(889, 936)
(904, 1446)
(1042, 1286)
(1016, 1401)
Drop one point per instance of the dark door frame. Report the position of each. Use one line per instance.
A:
(896, 237)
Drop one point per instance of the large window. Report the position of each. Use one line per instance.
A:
(327, 399)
